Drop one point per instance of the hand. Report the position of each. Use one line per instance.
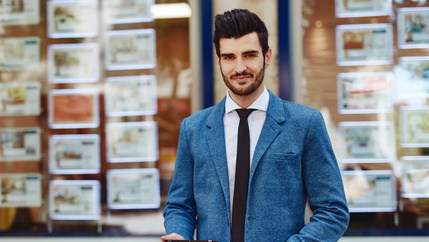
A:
(172, 237)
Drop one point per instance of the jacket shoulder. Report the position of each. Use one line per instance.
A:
(299, 109)
(199, 118)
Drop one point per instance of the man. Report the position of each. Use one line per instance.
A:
(291, 156)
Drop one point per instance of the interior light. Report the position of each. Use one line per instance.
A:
(171, 10)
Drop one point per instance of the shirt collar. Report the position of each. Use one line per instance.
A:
(260, 104)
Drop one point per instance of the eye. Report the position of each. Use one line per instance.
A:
(228, 57)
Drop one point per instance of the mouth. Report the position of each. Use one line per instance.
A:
(241, 78)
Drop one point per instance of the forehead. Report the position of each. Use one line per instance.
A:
(244, 43)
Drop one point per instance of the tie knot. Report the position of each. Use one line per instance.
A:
(244, 113)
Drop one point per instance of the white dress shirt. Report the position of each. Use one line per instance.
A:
(231, 120)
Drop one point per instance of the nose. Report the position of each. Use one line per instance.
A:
(240, 65)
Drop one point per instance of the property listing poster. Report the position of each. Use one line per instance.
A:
(68, 63)
(19, 53)
(132, 141)
(19, 12)
(20, 144)
(413, 29)
(74, 154)
(131, 95)
(21, 190)
(363, 142)
(364, 44)
(130, 49)
(415, 176)
(414, 126)
(19, 98)
(361, 92)
(362, 8)
(120, 11)
(74, 200)
(72, 18)
(133, 188)
(73, 108)
(370, 191)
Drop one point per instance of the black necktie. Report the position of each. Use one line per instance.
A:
(242, 171)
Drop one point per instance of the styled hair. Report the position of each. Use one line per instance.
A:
(237, 23)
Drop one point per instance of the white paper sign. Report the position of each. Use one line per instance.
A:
(370, 191)
(70, 63)
(132, 141)
(21, 190)
(19, 12)
(133, 188)
(119, 11)
(19, 98)
(130, 49)
(74, 154)
(131, 95)
(20, 144)
(72, 18)
(74, 200)
(364, 44)
(19, 53)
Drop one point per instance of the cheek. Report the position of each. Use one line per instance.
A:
(225, 69)
(256, 68)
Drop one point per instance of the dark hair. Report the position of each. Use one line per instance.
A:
(237, 23)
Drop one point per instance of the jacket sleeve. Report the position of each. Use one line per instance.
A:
(180, 210)
(324, 187)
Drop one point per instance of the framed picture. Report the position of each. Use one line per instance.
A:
(74, 200)
(416, 66)
(68, 63)
(20, 98)
(365, 92)
(370, 191)
(19, 53)
(362, 8)
(367, 142)
(20, 144)
(364, 44)
(133, 188)
(19, 12)
(130, 49)
(413, 29)
(21, 190)
(120, 11)
(414, 126)
(72, 18)
(74, 154)
(73, 108)
(415, 176)
(132, 141)
(130, 95)
(412, 76)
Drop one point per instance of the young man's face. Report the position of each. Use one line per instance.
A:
(243, 64)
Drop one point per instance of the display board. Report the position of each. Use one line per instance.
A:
(365, 67)
(88, 103)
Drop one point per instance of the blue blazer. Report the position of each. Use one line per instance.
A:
(293, 161)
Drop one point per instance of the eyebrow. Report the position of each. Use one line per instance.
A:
(244, 53)
(251, 52)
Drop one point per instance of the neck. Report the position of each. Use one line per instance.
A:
(247, 100)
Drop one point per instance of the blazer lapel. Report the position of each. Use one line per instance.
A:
(270, 130)
(215, 137)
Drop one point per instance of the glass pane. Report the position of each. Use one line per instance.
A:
(92, 97)
(364, 67)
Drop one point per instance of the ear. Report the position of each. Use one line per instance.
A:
(268, 57)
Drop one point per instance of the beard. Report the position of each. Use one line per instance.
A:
(245, 91)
